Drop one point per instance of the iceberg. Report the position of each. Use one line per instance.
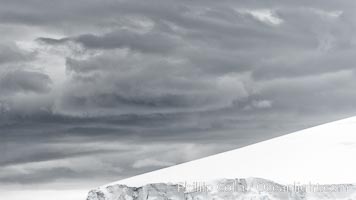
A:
(320, 161)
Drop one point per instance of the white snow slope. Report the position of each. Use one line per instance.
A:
(324, 154)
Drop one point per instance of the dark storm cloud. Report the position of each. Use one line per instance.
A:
(132, 86)
(52, 41)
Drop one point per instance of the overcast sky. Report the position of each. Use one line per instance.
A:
(93, 91)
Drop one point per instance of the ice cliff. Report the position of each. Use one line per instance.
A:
(225, 189)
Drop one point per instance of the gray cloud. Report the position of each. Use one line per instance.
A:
(95, 90)
(97, 86)
(143, 42)
(44, 175)
(40, 153)
(24, 81)
(10, 53)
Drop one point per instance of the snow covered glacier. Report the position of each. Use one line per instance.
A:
(305, 165)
